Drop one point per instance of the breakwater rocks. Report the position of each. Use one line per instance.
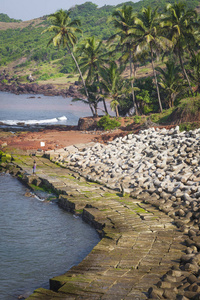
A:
(163, 163)
(161, 168)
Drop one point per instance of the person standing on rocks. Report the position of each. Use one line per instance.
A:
(34, 167)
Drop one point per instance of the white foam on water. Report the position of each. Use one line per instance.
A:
(63, 118)
(34, 122)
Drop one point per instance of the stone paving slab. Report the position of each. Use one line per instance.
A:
(139, 243)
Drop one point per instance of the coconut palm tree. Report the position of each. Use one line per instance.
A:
(123, 19)
(92, 58)
(65, 32)
(170, 81)
(181, 24)
(148, 36)
(113, 85)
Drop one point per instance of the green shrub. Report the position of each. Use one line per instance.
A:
(162, 117)
(147, 109)
(57, 75)
(23, 78)
(4, 81)
(66, 69)
(37, 72)
(190, 105)
(137, 119)
(108, 123)
(44, 77)
(187, 126)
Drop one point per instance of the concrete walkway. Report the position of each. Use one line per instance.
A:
(139, 243)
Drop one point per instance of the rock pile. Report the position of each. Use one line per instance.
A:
(160, 167)
(160, 162)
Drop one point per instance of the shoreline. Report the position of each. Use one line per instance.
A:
(15, 87)
(160, 219)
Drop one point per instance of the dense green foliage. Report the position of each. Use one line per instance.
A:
(96, 20)
(29, 42)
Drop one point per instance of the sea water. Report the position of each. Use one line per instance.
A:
(42, 110)
(38, 240)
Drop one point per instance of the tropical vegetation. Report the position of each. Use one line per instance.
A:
(163, 34)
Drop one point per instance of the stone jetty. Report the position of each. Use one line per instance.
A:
(141, 192)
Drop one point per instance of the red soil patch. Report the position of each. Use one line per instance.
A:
(53, 138)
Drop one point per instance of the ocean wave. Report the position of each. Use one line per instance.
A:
(62, 120)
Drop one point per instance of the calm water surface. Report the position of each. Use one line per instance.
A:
(38, 240)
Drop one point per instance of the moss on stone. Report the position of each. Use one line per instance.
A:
(79, 211)
(42, 189)
(5, 157)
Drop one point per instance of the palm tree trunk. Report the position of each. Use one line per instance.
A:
(105, 107)
(96, 113)
(133, 93)
(117, 111)
(83, 81)
(155, 77)
(104, 102)
(134, 74)
(184, 71)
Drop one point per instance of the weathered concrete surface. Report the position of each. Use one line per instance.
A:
(139, 243)
(160, 167)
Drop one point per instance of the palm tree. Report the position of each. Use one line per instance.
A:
(180, 23)
(148, 36)
(123, 19)
(92, 57)
(113, 85)
(170, 81)
(65, 32)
